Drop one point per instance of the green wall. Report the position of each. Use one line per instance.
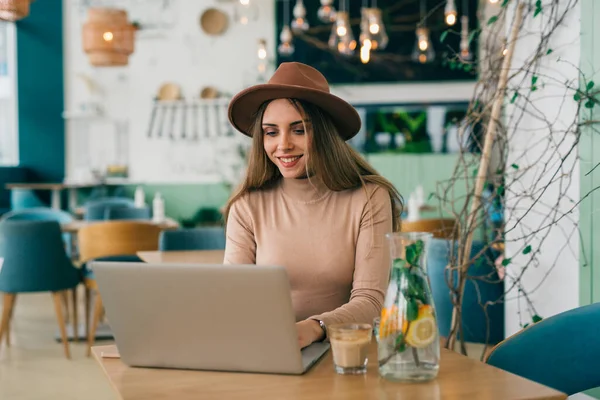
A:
(405, 171)
(40, 88)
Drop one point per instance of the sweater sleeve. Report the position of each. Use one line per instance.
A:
(240, 245)
(371, 266)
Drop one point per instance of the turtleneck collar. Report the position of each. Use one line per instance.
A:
(304, 190)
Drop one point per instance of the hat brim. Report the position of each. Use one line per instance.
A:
(243, 106)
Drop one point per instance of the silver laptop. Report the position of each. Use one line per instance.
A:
(206, 317)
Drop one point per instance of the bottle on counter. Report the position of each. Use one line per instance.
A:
(158, 208)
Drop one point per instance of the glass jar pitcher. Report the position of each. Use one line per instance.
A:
(408, 338)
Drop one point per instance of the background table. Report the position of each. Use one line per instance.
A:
(76, 225)
(185, 256)
(459, 378)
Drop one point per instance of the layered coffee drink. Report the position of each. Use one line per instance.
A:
(350, 347)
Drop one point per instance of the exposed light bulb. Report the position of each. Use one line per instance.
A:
(365, 51)
(504, 52)
(341, 30)
(423, 45)
(107, 36)
(450, 12)
(422, 58)
(493, 1)
(244, 2)
(262, 49)
(374, 29)
(326, 12)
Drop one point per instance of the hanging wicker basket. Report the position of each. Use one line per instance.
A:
(13, 10)
(108, 37)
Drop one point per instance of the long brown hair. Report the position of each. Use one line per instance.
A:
(338, 165)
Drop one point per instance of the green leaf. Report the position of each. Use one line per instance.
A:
(514, 97)
(468, 67)
(590, 85)
(430, 196)
(589, 104)
(452, 64)
(492, 20)
(400, 344)
(538, 8)
(536, 318)
(398, 263)
(504, 3)
(506, 262)
(413, 252)
(515, 166)
(533, 88)
(525, 326)
(527, 250)
(472, 35)
(549, 51)
(534, 80)
(443, 36)
(412, 310)
(577, 96)
(475, 171)
(500, 190)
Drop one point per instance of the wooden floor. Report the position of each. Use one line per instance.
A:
(34, 367)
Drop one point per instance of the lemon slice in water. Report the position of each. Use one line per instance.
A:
(421, 332)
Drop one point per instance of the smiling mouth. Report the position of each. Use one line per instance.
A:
(289, 162)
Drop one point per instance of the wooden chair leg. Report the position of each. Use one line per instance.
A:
(58, 306)
(75, 319)
(10, 317)
(87, 311)
(97, 313)
(65, 300)
(8, 304)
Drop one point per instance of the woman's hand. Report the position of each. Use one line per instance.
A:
(309, 331)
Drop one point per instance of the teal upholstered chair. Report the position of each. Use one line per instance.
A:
(35, 261)
(95, 210)
(44, 214)
(475, 322)
(208, 238)
(562, 351)
(130, 213)
(24, 198)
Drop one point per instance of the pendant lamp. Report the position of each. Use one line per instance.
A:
(13, 10)
(108, 37)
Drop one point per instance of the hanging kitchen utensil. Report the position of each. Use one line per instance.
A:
(206, 124)
(172, 123)
(155, 107)
(213, 21)
(209, 92)
(169, 91)
(183, 120)
(162, 112)
(195, 120)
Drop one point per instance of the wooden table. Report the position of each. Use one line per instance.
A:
(186, 257)
(459, 378)
(76, 225)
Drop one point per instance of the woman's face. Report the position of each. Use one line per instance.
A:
(284, 139)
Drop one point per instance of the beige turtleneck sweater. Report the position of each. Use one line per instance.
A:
(331, 244)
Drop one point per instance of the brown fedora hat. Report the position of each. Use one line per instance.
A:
(294, 80)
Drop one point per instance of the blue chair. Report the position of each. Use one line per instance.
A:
(44, 214)
(24, 198)
(35, 261)
(96, 210)
(208, 238)
(114, 213)
(561, 352)
(473, 317)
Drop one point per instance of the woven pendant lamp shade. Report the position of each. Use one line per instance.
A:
(13, 10)
(108, 37)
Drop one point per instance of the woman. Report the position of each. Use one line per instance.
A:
(309, 202)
